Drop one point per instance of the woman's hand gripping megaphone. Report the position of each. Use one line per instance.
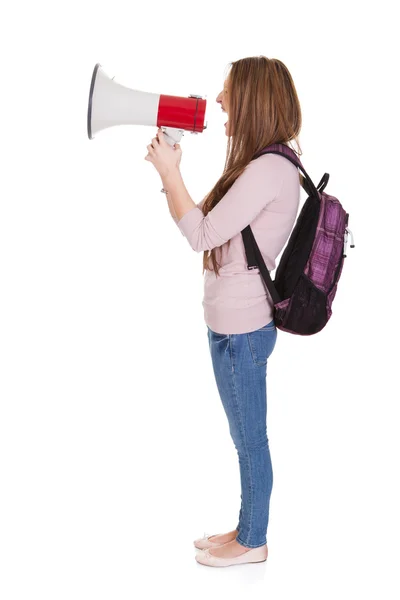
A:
(164, 157)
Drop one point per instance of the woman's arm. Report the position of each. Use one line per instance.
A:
(257, 186)
(179, 201)
(169, 201)
(172, 190)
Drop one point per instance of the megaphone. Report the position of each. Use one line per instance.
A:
(111, 104)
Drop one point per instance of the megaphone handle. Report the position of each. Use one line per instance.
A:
(172, 135)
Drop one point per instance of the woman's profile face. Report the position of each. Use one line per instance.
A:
(222, 99)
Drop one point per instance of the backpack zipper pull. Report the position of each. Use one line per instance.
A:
(346, 235)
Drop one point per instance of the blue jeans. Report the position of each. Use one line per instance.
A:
(240, 368)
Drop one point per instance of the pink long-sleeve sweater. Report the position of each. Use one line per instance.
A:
(266, 196)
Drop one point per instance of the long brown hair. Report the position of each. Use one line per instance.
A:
(263, 109)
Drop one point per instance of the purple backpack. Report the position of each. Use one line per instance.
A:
(311, 265)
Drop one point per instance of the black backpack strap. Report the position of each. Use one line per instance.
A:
(253, 254)
(255, 260)
(323, 182)
(288, 153)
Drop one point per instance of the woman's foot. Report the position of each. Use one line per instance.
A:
(223, 538)
(229, 554)
(229, 550)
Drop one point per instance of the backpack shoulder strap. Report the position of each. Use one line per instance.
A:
(255, 260)
(288, 153)
(253, 254)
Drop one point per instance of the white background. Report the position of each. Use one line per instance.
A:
(115, 452)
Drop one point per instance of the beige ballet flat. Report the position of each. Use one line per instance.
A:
(205, 542)
(254, 555)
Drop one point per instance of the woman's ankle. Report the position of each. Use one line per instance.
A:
(230, 535)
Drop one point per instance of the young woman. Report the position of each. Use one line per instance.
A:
(260, 99)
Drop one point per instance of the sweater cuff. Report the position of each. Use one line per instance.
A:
(176, 221)
(190, 220)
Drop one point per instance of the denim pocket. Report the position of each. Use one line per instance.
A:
(262, 342)
(216, 338)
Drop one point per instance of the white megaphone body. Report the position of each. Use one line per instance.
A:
(113, 104)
